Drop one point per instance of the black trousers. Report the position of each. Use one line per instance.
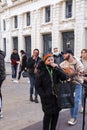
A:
(20, 71)
(1, 81)
(50, 121)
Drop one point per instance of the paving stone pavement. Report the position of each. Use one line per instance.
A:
(21, 114)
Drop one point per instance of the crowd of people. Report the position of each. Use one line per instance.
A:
(43, 75)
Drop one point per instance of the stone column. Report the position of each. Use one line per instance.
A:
(56, 35)
(79, 27)
(36, 37)
(20, 36)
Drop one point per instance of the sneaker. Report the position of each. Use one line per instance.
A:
(11, 79)
(28, 82)
(15, 81)
(1, 115)
(81, 110)
(72, 121)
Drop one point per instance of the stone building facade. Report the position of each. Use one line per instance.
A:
(43, 24)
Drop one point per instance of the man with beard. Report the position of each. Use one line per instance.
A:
(76, 70)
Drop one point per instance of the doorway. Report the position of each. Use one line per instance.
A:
(68, 40)
(28, 45)
(47, 43)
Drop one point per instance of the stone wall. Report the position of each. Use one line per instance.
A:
(38, 27)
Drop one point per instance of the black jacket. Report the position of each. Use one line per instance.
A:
(2, 65)
(31, 64)
(58, 59)
(14, 58)
(43, 86)
(24, 62)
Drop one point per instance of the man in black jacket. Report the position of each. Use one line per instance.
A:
(33, 62)
(2, 77)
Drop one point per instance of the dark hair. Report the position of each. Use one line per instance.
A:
(22, 52)
(15, 49)
(84, 50)
(36, 50)
(69, 51)
(62, 53)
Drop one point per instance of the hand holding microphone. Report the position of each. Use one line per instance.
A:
(54, 65)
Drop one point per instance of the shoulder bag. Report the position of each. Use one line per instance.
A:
(64, 92)
(25, 74)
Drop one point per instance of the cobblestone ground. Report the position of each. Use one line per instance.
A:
(21, 114)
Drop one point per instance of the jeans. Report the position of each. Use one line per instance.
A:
(1, 81)
(32, 85)
(77, 99)
(82, 98)
(14, 70)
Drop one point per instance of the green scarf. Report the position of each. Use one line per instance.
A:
(50, 73)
